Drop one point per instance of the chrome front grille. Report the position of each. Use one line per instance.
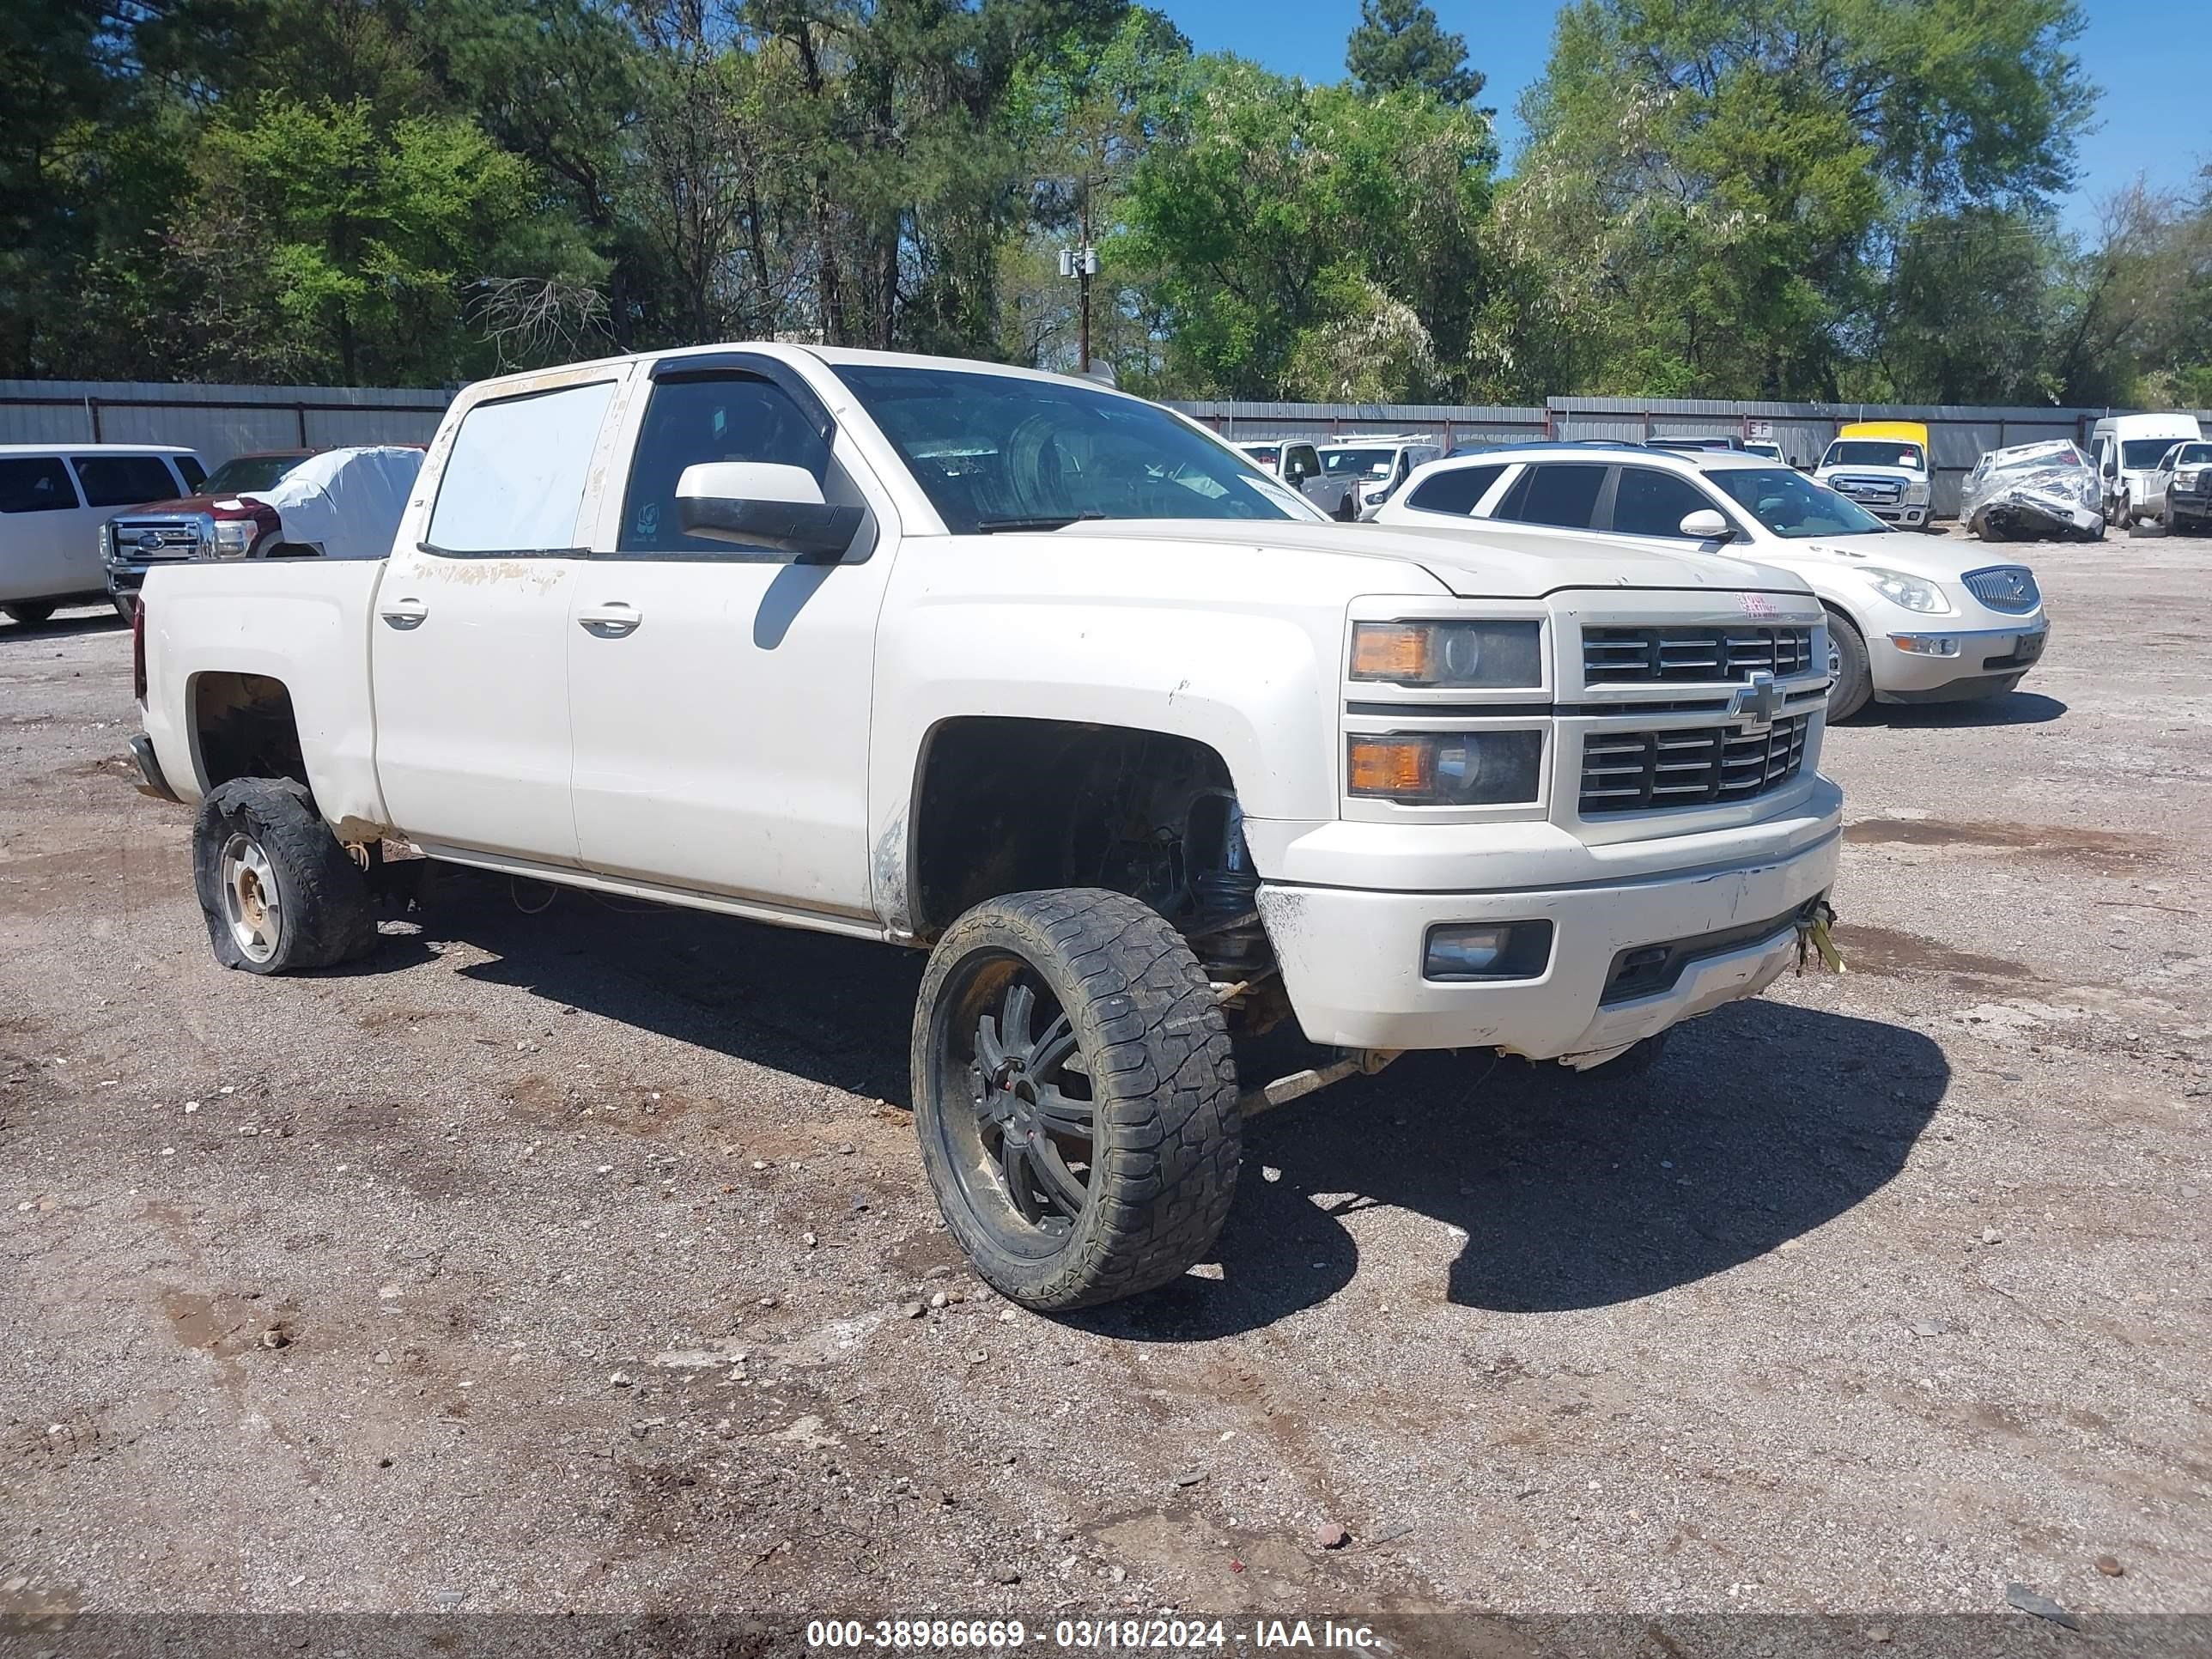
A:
(2006, 587)
(1614, 656)
(139, 541)
(1887, 491)
(1641, 771)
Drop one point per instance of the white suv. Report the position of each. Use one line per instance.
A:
(1911, 621)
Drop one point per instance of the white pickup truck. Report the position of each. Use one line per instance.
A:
(1051, 682)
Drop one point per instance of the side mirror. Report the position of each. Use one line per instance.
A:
(764, 504)
(1706, 525)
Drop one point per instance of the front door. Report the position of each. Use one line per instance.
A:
(720, 695)
(469, 645)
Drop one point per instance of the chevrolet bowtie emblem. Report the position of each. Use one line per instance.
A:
(1756, 704)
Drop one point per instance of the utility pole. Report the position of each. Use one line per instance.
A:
(1082, 265)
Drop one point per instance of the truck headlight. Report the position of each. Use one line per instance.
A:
(2187, 480)
(1495, 654)
(1446, 768)
(1910, 592)
(233, 537)
(1915, 494)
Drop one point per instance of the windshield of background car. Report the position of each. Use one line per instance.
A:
(1263, 454)
(998, 451)
(1791, 505)
(1367, 463)
(249, 472)
(2193, 455)
(2138, 454)
(1869, 451)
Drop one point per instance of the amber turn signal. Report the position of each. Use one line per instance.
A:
(1398, 652)
(1392, 766)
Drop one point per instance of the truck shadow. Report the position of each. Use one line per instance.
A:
(1763, 1120)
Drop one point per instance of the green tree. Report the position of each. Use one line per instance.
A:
(1708, 189)
(1399, 45)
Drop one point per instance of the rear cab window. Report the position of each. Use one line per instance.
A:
(513, 486)
(36, 483)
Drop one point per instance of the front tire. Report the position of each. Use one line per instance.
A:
(1075, 1095)
(280, 894)
(1849, 667)
(30, 613)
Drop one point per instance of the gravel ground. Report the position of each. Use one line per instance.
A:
(566, 1260)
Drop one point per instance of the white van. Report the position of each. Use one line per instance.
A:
(2127, 449)
(54, 499)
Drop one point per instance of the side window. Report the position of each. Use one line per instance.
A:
(194, 474)
(36, 483)
(123, 480)
(1457, 489)
(1304, 459)
(515, 481)
(709, 417)
(1649, 502)
(1564, 495)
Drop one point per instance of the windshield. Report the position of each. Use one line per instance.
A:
(246, 472)
(1791, 505)
(2137, 453)
(1263, 454)
(1367, 463)
(1875, 452)
(2193, 455)
(999, 452)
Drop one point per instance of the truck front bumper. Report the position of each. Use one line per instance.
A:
(1628, 959)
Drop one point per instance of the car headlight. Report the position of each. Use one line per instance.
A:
(1446, 768)
(1910, 592)
(233, 538)
(2188, 479)
(1496, 654)
(1916, 493)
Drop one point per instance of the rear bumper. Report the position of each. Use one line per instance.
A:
(1352, 958)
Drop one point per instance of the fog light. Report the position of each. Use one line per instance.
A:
(1491, 950)
(1927, 645)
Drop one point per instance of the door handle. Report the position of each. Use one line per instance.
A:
(403, 614)
(612, 621)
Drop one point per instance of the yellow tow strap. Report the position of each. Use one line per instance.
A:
(1813, 939)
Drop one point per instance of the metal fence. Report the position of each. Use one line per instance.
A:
(1957, 436)
(219, 422)
(223, 421)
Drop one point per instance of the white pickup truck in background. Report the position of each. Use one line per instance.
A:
(1049, 680)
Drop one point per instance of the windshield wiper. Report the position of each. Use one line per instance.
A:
(1055, 521)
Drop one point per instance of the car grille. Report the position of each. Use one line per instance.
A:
(1617, 655)
(2007, 588)
(1887, 491)
(1635, 771)
(171, 538)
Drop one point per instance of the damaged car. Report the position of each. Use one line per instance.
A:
(2038, 492)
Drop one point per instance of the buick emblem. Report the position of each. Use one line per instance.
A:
(1756, 704)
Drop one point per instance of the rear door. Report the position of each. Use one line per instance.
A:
(469, 645)
(41, 514)
(720, 694)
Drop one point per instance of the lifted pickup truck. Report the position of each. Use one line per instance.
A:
(1049, 682)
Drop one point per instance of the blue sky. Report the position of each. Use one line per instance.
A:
(2152, 119)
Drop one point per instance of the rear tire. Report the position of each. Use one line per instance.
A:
(279, 893)
(1847, 662)
(1075, 1095)
(30, 613)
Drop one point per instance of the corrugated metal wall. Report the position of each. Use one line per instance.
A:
(218, 421)
(1958, 435)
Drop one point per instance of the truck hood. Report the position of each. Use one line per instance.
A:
(1493, 562)
(1852, 470)
(216, 507)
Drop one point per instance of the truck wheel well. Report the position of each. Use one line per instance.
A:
(243, 726)
(1007, 805)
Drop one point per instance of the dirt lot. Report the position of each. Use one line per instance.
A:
(559, 1261)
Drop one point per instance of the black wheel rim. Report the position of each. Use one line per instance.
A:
(1017, 1120)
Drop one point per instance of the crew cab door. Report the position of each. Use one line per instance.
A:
(720, 694)
(469, 641)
